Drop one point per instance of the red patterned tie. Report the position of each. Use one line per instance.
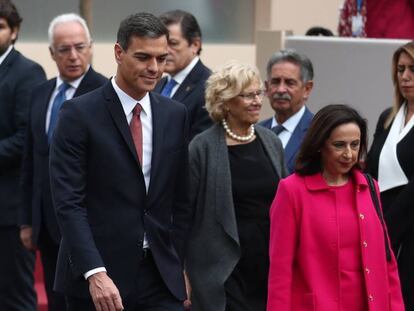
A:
(136, 130)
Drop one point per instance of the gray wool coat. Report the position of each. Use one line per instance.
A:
(213, 248)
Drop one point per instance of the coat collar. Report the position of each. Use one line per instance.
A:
(316, 182)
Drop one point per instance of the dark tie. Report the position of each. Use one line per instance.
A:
(136, 130)
(166, 91)
(57, 104)
(278, 129)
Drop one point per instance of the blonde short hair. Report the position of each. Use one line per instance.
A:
(225, 84)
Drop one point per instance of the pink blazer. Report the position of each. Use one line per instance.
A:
(304, 270)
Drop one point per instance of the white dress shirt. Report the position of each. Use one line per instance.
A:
(70, 92)
(128, 104)
(181, 75)
(289, 125)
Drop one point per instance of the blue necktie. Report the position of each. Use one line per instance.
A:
(166, 91)
(278, 129)
(57, 104)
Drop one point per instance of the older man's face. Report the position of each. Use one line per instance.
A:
(285, 89)
(71, 50)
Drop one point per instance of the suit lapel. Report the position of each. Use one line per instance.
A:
(41, 111)
(189, 83)
(296, 138)
(85, 85)
(114, 106)
(7, 63)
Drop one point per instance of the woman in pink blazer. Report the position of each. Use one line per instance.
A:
(328, 247)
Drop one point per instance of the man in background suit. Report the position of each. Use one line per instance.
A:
(288, 86)
(71, 49)
(18, 76)
(119, 171)
(187, 75)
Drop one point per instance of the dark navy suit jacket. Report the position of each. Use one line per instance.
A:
(38, 208)
(295, 140)
(99, 192)
(18, 77)
(191, 94)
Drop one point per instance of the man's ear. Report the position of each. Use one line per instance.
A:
(195, 45)
(14, 33)
(308, 89)
(52, 53)
(118, 50)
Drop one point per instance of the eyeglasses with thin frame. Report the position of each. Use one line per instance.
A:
(64, 50)
(249, 97)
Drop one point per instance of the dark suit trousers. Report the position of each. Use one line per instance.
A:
(16, 273)
(49, 252)
(149, 294)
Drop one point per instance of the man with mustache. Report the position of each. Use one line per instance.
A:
(288, 86)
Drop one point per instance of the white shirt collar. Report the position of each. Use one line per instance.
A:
(129, 103)
(291, 123)
(5, 54)
(181, 75)
(74, 83)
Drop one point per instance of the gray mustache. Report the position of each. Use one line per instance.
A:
(284, 96)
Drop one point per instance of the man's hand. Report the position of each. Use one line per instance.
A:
(187, 302)
(26, 237)
(104, 293)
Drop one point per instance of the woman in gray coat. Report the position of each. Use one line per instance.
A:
(235, 168)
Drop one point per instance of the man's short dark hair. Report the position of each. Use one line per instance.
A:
(189, 25)
(9, 12)
(142, 25)
(291, 56)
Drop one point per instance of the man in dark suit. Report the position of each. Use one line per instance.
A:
(119, 171)
(187, 75)
(18, 76)
(288, 86)
(70, 48)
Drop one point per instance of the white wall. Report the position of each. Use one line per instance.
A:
(356, 72)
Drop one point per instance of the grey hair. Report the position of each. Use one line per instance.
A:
(292, 56)
(67, 18)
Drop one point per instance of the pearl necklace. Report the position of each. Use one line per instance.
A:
(235, 136)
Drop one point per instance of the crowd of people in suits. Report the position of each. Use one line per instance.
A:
(153, 191)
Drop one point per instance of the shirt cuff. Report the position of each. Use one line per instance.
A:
(94, 271)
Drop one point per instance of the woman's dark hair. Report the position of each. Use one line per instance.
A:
(9, 12)
(324, 122)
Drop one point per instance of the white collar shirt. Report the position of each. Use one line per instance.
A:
(181, 75)
(289, 125)
(128, 104)
(70, 92)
